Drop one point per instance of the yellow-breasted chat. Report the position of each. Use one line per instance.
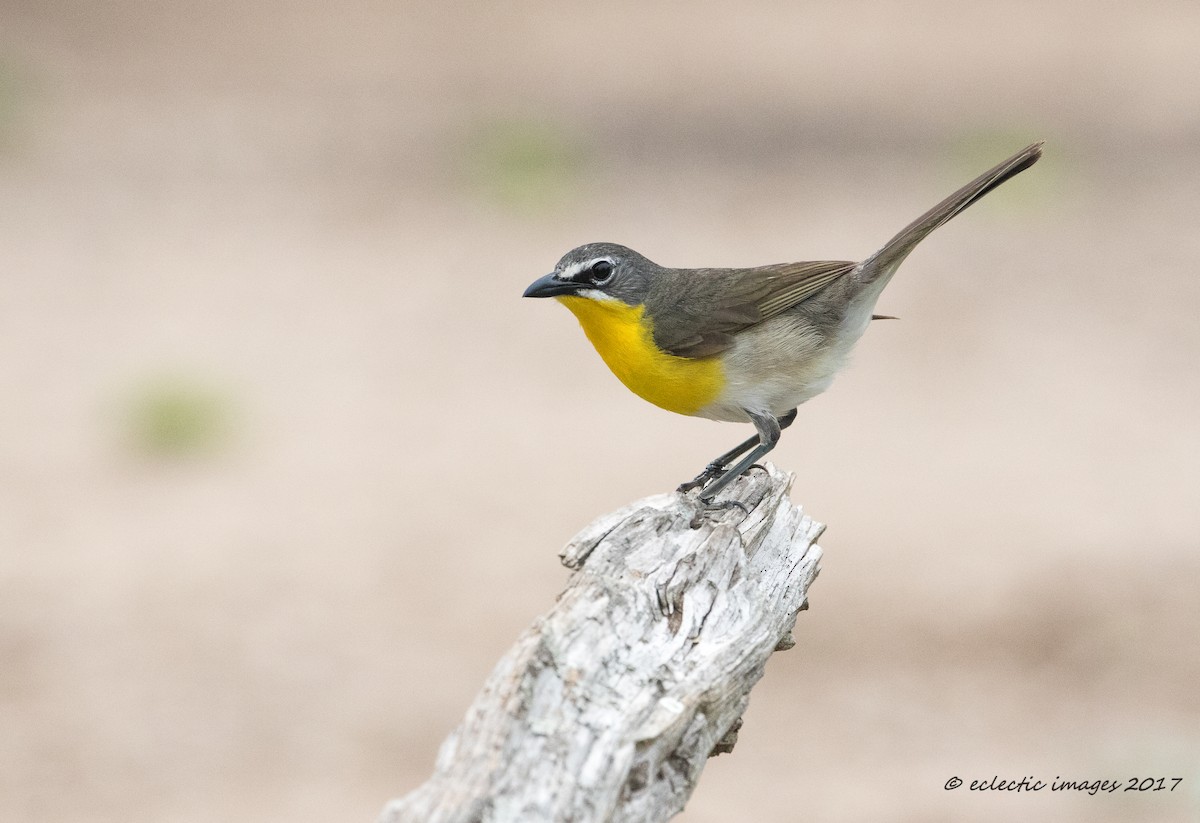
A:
(740, 345)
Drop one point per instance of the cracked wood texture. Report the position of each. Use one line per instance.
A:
(609, 705)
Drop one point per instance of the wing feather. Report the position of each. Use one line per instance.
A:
(696, 313)
(799, 281)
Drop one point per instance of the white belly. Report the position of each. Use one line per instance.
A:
(777, 365)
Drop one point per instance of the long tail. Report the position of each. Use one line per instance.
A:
(885, 261)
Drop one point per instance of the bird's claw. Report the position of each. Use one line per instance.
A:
(711, 472)
(708, 507)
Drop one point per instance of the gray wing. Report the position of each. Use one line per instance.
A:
(697, 313)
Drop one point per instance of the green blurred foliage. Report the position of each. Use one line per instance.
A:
(524, 164)
(177, 416)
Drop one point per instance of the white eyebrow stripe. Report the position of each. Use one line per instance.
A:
(573, 270)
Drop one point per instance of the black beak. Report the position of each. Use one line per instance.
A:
(550, 286)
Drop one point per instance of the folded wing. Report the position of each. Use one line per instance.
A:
(697, 313)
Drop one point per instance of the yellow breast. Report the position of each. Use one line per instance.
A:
(622, 335)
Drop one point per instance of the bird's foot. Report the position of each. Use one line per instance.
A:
(711, 472)
(709, 508)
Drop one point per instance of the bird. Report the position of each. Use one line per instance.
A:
(738, 344)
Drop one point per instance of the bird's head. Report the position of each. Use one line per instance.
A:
(598, 271)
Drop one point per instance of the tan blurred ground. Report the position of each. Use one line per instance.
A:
(320, 214)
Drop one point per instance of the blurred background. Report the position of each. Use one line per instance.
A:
(283, 466)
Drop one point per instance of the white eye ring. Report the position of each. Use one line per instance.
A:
(601, 272)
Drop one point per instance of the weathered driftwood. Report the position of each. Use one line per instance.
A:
(608, 706)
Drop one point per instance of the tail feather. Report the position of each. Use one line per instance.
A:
(885, 261)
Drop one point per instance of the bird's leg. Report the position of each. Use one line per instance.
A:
(769, 428)
(714, 468)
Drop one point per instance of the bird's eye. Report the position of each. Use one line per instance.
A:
(600, 272)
